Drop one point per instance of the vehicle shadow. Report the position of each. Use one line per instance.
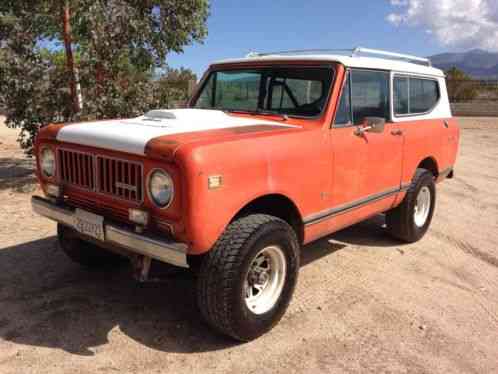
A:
(48, 301)
(371, 232)
(16, 173)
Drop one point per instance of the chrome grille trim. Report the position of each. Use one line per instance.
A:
(76, 168)
(116, 177)
(120, 178)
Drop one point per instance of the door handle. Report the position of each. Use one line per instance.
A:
(360, 131)
(446, 124)
(396, 132)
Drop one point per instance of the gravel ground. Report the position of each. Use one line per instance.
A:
(364, 302)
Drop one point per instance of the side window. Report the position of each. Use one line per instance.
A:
(370, 94)
(414, 95)
(343, 115)
(401, 102)
(424, 94)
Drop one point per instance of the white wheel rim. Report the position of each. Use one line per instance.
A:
(422, 206)
(265, 279)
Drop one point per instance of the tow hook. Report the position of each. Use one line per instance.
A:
(141, 267)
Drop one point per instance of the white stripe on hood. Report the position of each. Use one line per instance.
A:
(132, 135)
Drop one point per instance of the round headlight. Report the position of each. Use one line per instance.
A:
(160, 188)
(47, 162)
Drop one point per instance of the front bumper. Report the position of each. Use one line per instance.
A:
(166, 251)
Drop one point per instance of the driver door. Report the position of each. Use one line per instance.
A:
(366, 165)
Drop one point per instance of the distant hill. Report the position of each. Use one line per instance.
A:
(477, 63)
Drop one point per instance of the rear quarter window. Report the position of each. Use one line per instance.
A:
(413, 96)
(424, 94)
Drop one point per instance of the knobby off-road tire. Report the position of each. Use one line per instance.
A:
(222, 291)
(85, 253)
(412, 218)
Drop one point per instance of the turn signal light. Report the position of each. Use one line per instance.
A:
(53, 190)
(140, 217)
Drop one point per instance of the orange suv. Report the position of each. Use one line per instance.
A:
(274, 151)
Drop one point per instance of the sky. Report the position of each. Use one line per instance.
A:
(420, 27)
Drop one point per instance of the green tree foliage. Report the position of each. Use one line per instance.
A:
(117, 47)
(461, 87)
(172, 87)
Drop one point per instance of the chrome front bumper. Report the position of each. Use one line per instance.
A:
(166, 251)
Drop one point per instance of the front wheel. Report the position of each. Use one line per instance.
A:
(412, 218)
(247, 280)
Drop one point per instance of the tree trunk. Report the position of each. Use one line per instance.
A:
(69, 56)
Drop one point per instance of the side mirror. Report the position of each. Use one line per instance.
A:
(371, 124)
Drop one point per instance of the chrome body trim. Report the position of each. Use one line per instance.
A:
(344, 208)
(170, 252)
(332, 212)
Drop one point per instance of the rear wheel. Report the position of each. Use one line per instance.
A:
(412, 218)
(85, 253)
(247, 280)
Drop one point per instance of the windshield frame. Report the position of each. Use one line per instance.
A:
(242, 67)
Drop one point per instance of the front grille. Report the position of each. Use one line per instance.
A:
(119, 178)
(77, 169)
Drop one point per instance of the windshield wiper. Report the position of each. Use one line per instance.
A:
(285, 117)
(252, 112)
(261, 112)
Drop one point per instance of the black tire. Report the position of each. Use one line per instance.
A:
(220, 291)
(85, 253)
(400, 220)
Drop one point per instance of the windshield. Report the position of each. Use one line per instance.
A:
(293, 91)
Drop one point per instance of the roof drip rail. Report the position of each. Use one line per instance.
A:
(353, 52)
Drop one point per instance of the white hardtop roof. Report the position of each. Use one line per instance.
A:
(353, 61)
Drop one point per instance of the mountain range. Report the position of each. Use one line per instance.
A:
(477, 63)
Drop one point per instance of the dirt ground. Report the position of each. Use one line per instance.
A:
(364, 302)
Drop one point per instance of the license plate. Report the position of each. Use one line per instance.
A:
(89, 224)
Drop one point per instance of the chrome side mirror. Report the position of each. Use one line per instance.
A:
(371, 124)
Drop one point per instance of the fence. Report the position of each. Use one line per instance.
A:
(473, 97)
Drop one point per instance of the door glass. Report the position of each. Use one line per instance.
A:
(370, 94)
(343, 115)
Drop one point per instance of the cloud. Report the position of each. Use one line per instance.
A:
(455, 23)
